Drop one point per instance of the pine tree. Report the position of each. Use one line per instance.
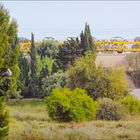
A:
(68, 52)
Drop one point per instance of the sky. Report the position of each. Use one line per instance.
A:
(62, 19)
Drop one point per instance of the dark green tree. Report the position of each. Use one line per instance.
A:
(47, 48)
(24, 76)
(24, 70)
(33, 58)
(73, 48)
(86, 40)
(33, 89)
(68, 51)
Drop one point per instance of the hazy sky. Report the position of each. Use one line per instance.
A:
(62, 19)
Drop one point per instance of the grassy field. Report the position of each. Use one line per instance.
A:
(29, 121)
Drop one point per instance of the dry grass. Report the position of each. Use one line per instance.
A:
(29, 125)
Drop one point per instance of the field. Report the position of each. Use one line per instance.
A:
(114, 60)
(29, 121)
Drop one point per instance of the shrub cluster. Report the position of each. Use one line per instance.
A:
(132, 105)
(109, 110)
(66, 105)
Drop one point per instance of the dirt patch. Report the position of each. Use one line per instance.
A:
(114, 60)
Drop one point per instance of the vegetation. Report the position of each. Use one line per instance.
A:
(87, 42)
(29, 120)
(68, 52)
(4, 120)
(57, 80)
(73, 48)
(97, 81)
(65, 73)
(47, 48)
(66, 105)
(109, 110)
(131, 104)
(9, 53)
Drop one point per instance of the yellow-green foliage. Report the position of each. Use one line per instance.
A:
(117, 87)
(66, 105)
(132, 105)
(42, 63)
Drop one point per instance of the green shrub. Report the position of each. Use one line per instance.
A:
(66, 105)
(132, 105)
(109, 110)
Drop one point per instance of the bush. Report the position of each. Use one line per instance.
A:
(109, 110)
(66, 105)
(117, 85)
(132, 105)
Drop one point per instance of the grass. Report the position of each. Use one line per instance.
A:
(29, 121)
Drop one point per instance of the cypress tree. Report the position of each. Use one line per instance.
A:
(86, 40)
(33, 85)
(8, 59)
(24, 70)
(33, 58)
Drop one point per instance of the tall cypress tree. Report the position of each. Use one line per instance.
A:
(8, 59)
(86, 40)
(33, 58)
(33, 86)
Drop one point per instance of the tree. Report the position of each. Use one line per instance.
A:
(33, 58)
(73, 48)
(86, 40)
(53, 81)
(47, 48)
(24, 76)
(9, 53)
(68, 51)
(33, 82)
